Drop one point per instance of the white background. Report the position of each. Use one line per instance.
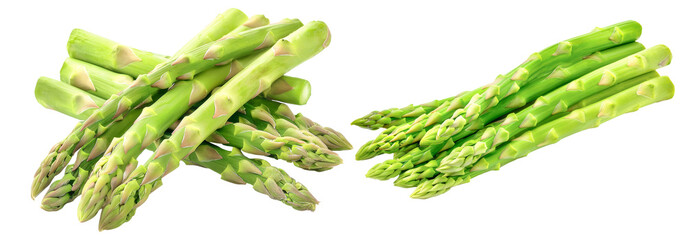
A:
(624, 180)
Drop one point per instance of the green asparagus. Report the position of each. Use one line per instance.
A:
(201, 58)
(560, 76)
(452, 120)
(115, 56)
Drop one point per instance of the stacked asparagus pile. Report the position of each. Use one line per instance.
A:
(570, 86)
(226, 86)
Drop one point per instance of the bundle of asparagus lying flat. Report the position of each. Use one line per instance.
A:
(568, 87)
(226, 86)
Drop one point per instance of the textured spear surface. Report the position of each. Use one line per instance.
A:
(145, 86)
(109, 54)
(556, 102)
(630, 100)
(453, 119)
(289, 90)
(333, 139)
(60, 97)
(225, 22)
(562, 75)
(105, 83)
(398, 116)
(234, 167)
(66, 189)
(263, 132)
(286, 89)
(93, 79)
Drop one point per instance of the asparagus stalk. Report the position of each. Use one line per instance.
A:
(66, 189)
(454, 119)
(200, 59)
(89, 47)
(560, 76)
(398, 116)
(65, 98)
(286, 89)
(211, 115)
(591, 116)
(556, 102)
(110, 54)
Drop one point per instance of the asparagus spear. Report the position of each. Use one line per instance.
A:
(65, 190)
(201, 58)
(92, 48)
(398, 116)
(286, 54)
(454, 119)
(112, 55)
(554, 103)
(630, 100)
(560, 76)
(285, 89)
(66, 98)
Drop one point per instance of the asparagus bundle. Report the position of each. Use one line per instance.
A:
(426, 130)
(419, 155)
(162, 76)
(444, 139)
(221, 87)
